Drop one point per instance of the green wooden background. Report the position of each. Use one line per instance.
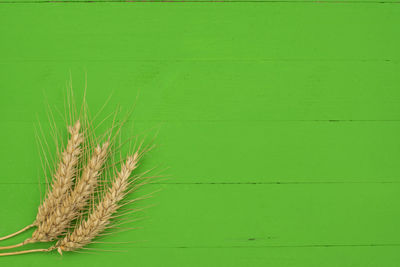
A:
(279, 122)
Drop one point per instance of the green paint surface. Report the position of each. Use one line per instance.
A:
(279, 124)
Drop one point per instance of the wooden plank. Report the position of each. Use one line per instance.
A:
(208, 90)
(142, 31)
(244, 152)
(247, 216)
(224, 257)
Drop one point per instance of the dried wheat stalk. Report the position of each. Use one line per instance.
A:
(64, 175)
(63, 179)
(100, 218)
(57, 222)
(65, 202)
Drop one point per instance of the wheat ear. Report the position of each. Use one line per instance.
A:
(59, 221)
(63, 179)
(101, 216)
(64, 175)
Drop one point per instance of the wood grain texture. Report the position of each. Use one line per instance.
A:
(250, 152)
(179, 90)
(240, 31)
(279, 123)
(253, 216)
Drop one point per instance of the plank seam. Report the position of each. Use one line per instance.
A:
(279, 246)
(238, 183)
(205, 1)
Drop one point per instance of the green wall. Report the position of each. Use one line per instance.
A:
(279, 122)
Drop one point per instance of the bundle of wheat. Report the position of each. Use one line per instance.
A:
(75, 185)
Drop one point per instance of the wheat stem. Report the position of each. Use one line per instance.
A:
(27, 251)
(13, 246)
(27, 241)
(17, 233)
